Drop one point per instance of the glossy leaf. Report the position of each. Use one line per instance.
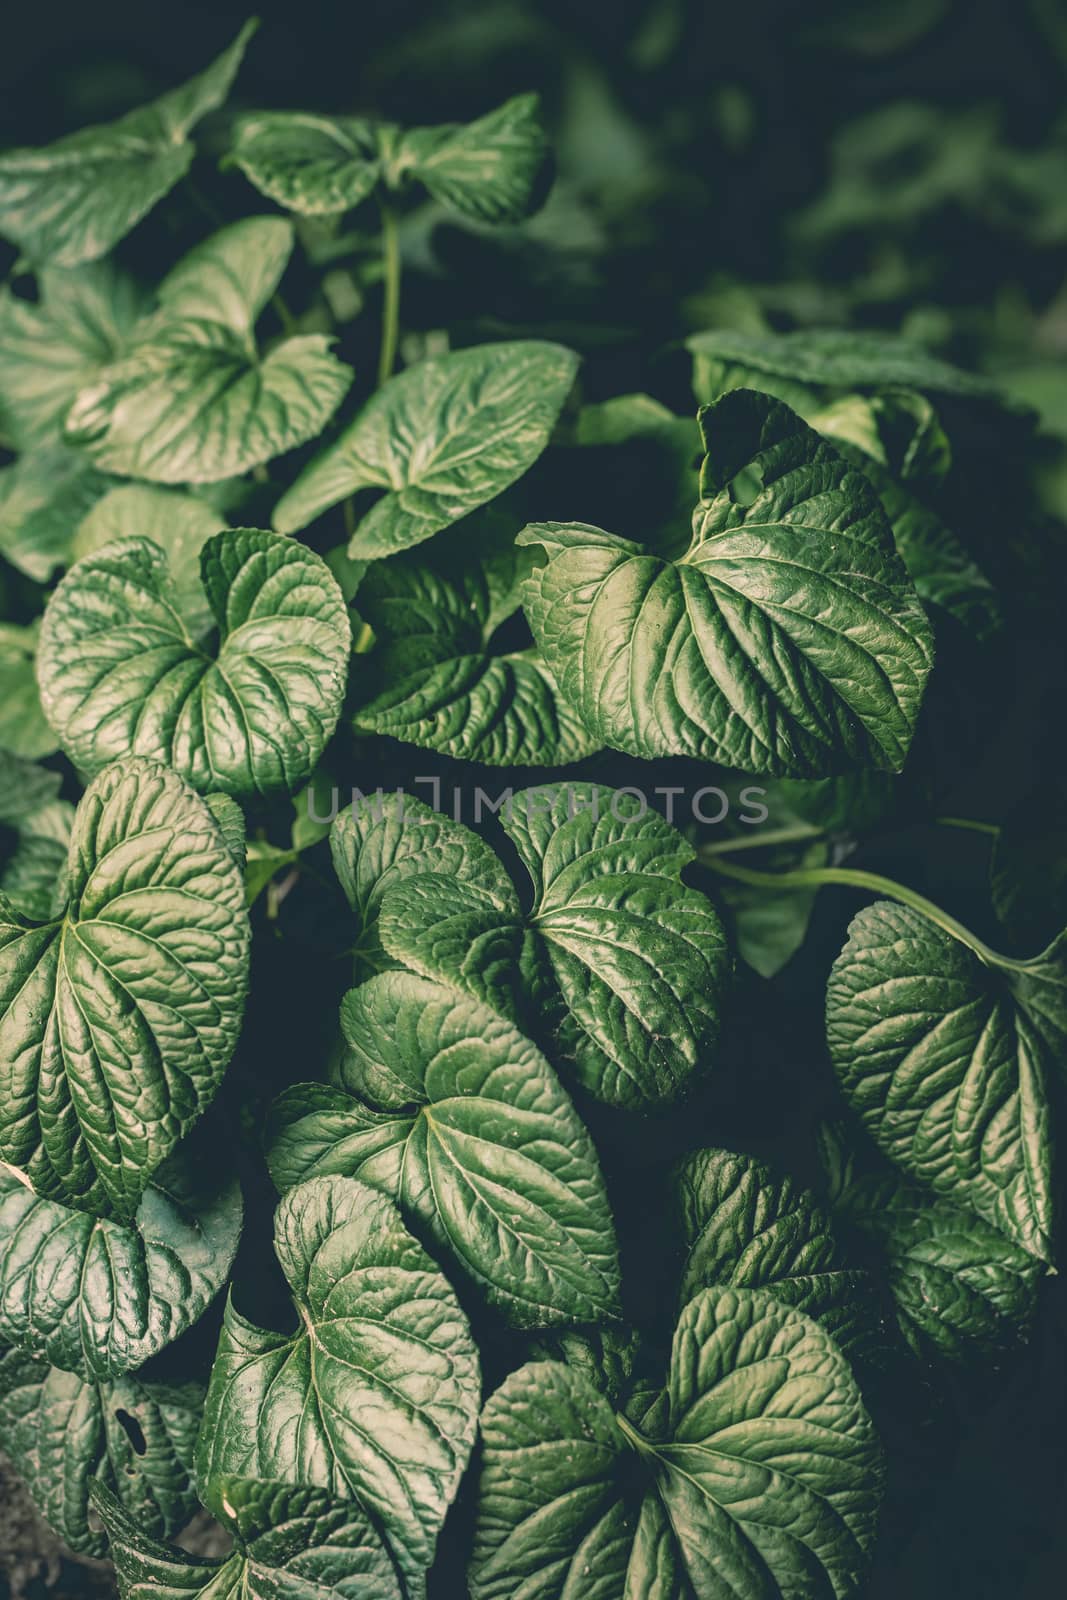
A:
(491, 170)
(444, 437)
(314, 165)
(947, 1062)
(623, 963)
(118, 1017)
(82, 320)
(788, 640)
(98, 1298)
(121, 669)
(195, 401)
(383, 839)
(437, 680)
(64, 1435)
(72, 200)
(744, 1227)
(292, 1544)
(757, 1473)
(374, 1398)
(450, 1110)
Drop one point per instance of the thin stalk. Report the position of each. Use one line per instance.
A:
(969, 824)
(391, 305)
(853, 878)
(761, 841)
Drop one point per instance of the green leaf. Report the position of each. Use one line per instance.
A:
(961, 1289)
(98, 1298)
(374, 1398)
(435, 678)
(195, 401)
(744, 1227)
(622, 963)
(827, 359)
(292, 1544)
(382, 839)
(118, 1018)
(121, 669)
(757, 1474)
(24, 789)
(135, 1436)
(73, 200)
(82, 320)
(31, 874)
(788, 640)
(491, 170)
(179, 523)
(314, 165)
(24, 729)
(444, 437)
(43, 497)
(947, 1061)
(900, 431)
(461, 1120)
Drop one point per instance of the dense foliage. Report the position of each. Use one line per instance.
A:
(450, 1127)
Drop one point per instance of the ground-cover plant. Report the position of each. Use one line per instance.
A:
(392, 1175)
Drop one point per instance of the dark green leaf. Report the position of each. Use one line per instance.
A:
(121, 668)
(293, 1544)
(447, 1108)
(134, 1436)
(444, 437)
(788, 640)
(946, 1060)
(73, 200)
(98, 1298)
(757, 1473)
(744, 1227)
(374, 1398)
(118, 1018)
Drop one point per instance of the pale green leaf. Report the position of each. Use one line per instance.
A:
(71, 201)
(179, 523)
(442, 438)
(492, 170)
(24, 729)
(43, 497)
(118, 1017)
(314, 165)
(250, 712)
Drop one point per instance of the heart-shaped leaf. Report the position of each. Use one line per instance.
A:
(756, 1473)
(73, 200)
(292, 1544)
(121, 669)
(374, 1398)
(491, 170)
(99, 1298)
(947, 1060)
(444, 437)
(624, 963)
(447, 1108)
(382, 839)
(314, 165)
(195, 401)
(135, 1436)
(787, 640)
(118, 1017)
(744, 1227)
(435, 678)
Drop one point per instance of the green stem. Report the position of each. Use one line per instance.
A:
(853, 878)
(761, 840)
(970, 824)
(638, 1440)
(391, 305)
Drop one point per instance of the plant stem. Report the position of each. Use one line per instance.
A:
(760, 841)
(391, 305)
(970, 824)
(853, 878)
